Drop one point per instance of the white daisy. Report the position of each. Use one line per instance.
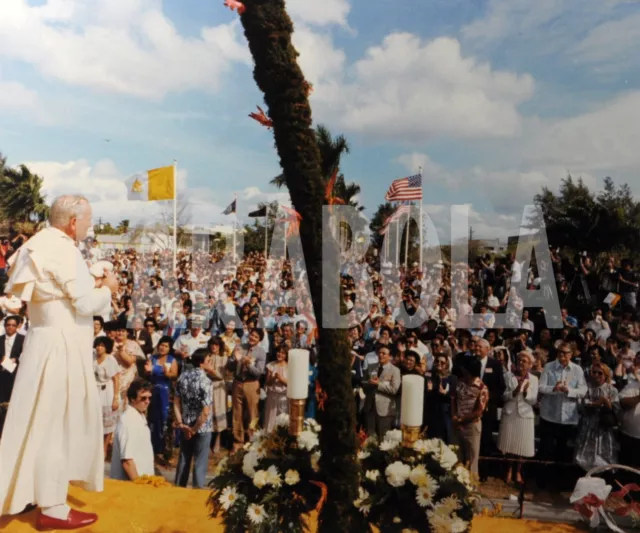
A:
(372, 475)
(282, 420)
(273, 477)
(424, 496)
(256, 514)
(363, 455)
(228, 497)
(397, 473)
(292, 477)
(447, 506)
(260, 478)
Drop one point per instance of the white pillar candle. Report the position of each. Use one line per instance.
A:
(412, 400)
(298, 374)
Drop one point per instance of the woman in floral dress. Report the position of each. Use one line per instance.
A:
(217, 373)
(107, 373)
(276, 387)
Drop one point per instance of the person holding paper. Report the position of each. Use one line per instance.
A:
(11, 344)
(53, 430)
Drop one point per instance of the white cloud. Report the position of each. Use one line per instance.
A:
(410, 90)
(505, 18)
(321, 63)
(416, 160)
(319, 13)
(610, 45)
(15, 97)
(600, 140)
(122, 46)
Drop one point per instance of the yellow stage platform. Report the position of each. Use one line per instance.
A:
(128, 508)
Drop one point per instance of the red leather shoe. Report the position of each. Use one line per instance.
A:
(75, 520)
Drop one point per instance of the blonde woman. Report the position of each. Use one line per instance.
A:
(597, 442)
(516, 437)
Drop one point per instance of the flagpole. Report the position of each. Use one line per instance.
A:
(175, 215)
(266, 228)
(406, 242)
(397, 258)
(235, 200)
(421, 221)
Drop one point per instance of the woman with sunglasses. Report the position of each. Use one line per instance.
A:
(597, 443)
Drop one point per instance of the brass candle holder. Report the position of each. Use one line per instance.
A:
(410, 434)
(296, 416)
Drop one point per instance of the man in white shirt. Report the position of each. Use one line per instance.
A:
(10, 304)
(190, 342)
(562, 384)
(132, 454)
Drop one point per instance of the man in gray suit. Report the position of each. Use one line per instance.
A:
(383, 387)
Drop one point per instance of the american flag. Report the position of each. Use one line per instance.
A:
(405, 189)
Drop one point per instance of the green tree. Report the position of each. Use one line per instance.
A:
(268, 30)
(21, 196)
(579, 219)
(123, 226)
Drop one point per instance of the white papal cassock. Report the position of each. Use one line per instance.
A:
(53, 429)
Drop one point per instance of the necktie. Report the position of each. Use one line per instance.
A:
(380, 369)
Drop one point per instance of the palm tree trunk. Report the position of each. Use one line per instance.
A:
(268, 30)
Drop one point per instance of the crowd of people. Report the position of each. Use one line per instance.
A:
(196, 358)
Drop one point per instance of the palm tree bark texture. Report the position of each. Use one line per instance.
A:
(268, 30)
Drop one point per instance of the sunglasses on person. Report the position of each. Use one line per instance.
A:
(597, 373)
(145, 398)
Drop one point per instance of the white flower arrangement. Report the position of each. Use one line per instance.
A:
(426, 482)
(271, 483)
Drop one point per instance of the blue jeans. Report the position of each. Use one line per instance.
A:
(195, 449)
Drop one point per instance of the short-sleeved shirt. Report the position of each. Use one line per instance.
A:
(190, 344)
(195, 391)
(132, 441)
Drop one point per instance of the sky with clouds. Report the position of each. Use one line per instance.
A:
(493, 98)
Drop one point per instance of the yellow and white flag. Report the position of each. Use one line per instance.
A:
(156, 184)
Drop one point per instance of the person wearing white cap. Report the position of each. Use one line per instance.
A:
(190, 342)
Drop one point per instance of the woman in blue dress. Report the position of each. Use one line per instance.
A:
(161, 369)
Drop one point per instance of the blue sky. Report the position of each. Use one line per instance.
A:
(494, 98)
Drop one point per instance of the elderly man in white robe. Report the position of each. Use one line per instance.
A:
(53, 429)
